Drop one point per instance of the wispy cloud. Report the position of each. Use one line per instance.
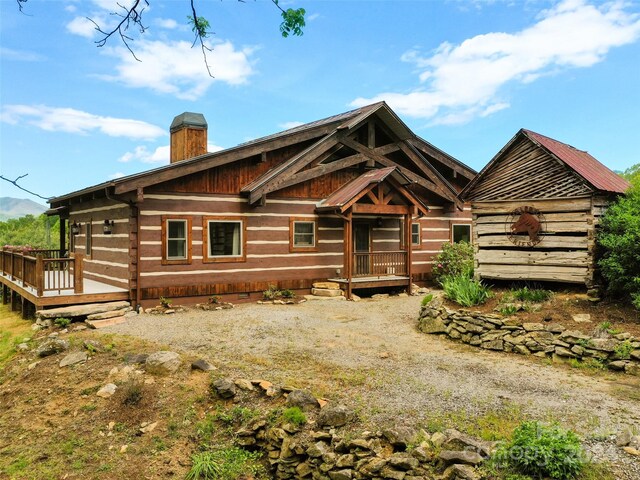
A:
(19, 55)
(113, 176)
(175, 68)
(70, 120)
(83, 27)
(158, 156)
(461, 82)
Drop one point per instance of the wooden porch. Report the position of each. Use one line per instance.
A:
(45, 278)
(377, 269)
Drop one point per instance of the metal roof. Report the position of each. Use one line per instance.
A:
(594, 172)
(347, 192)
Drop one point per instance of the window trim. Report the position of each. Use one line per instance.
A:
(88, 238)
(461, 225)
(292, 246)
(415, 246)
(165, 244)
(205, 239)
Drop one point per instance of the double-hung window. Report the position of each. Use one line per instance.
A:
(176, 241)
(224, 239)
(416, 234)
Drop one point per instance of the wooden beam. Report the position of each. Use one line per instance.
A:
(221, 158)
(382, 209)
(442, 157)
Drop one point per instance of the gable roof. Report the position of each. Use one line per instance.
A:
(594, 173)
(348, 192)
(309, 131)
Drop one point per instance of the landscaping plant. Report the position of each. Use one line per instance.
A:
(619, 240)
(464, 290)
(455, 259)
(543, 451)
(225, 464)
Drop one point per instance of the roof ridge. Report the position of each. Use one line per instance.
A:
(526, 130)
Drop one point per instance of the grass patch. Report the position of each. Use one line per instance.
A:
(13, 329)
(533, 295)
(225, 464)
(294, 415)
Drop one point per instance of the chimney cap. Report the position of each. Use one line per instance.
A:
(188, 119)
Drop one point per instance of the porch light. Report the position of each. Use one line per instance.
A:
(107, 227)
(75, 228)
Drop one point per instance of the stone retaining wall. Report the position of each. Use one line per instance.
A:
(494, 332)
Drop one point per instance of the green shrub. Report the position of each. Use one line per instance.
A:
(464, 290)
(225, 464)
(427, 299)
(62, 322)
(623, 350)
(543, 451)
(165, 302)
(455, 259)
(508, 310)
(294, 415)
(535, 295)
(619, 242)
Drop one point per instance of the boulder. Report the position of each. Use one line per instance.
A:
(108, 390)
(327, 285)
(203, 365)
(460, 456)
(533, 327)
(603, 344)
(326, 292)
(163, 363)
(81, 310)
(73, 358)
(401, 437)
(460, 472)
(51, 347)
(497, 344)
(432, 325)
(302, 399)
(456, 440)
(136, 358)
(334, 416)
(582, 318)
(224, 387)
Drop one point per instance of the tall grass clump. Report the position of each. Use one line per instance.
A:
(465, 291)
(225, 464)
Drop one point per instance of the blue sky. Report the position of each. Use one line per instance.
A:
(464, 75)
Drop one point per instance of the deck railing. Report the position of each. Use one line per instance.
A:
(379, 264)
(43, 270)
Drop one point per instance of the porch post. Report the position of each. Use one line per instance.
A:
(348, 255)
(78, 286)
(407, 235)
(63, 236)
(39, 274)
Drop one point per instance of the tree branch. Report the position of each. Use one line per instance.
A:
(15, 182)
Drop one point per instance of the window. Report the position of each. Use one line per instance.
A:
(88, 239)
(176, 241)
(461, 233)
(415, 234)
(224, 239)
(302, 235)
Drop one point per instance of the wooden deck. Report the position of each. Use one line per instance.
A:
(47, 282)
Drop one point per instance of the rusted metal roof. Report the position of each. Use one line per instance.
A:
(594, 172)
(348, 192)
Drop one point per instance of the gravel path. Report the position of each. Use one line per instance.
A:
(370, 355)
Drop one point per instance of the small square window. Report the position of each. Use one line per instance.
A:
(304, 234)
(225, 238)
(461, 233)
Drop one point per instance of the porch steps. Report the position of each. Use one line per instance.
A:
(71, 311)
(105, 322)
(326, 290)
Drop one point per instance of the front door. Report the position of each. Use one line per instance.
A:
(361, 248)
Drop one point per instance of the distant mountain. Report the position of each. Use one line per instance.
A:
(19, 207)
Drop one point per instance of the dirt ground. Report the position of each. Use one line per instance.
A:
(370, 356)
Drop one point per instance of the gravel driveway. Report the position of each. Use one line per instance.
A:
(369, 355)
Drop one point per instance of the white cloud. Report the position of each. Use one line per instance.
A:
(82, 26)
(288, 125)
(462, 82)
(175, 68)
(312, 17)
(20, 55)
(70, 120)
(159, 156)
(168, 23)
(113, 176)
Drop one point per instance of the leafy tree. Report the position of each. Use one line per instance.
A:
(40, 231)
(619, 238)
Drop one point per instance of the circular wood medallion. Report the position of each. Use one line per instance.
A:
(525, 226)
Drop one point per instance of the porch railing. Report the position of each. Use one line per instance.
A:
(43, 270)
(378, 264)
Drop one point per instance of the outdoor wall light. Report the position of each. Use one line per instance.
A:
(107, 227)
(75, 228)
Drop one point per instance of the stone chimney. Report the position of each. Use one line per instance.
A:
(188, 136)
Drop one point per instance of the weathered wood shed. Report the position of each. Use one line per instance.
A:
(535, 209)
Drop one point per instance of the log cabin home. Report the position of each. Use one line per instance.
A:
(356, 198)
(536, 207)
